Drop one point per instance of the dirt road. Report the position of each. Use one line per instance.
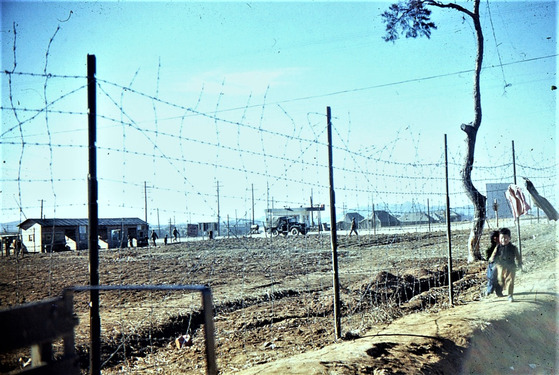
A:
(491, 336)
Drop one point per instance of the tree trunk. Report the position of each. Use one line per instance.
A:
(471, 129)
(475, 196)
(412, 11)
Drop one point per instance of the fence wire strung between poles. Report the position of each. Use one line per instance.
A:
(209, 172)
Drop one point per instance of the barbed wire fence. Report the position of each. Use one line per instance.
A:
(194, 166)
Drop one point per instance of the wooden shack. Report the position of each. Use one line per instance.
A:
(46, 235)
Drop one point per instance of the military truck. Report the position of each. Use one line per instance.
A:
(285, 225)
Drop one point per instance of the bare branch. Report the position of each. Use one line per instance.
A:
(457, 7)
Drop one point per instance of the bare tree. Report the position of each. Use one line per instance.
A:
(412, 19)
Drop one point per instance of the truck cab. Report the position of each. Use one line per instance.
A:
(287, 225)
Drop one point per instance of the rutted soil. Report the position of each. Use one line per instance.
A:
(273, 298)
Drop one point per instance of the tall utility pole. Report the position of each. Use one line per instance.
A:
(268, 218)
(373, 215)
(41, 209)
(374, 220)
(93, 219)
(218, 218)
(158, 224)
(518, 218)
(228, 228)
(333, 233)
(252, 187)
(145, 203)
(312, 216)
(448, 233)
(428, 215)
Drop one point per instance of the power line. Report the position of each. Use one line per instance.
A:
(372, 87)
(497, 47)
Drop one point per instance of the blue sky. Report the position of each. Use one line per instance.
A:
(257, 77)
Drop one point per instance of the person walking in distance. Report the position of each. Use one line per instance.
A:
(353, 227)
(175, 234)
(504, 256)
(154, 236)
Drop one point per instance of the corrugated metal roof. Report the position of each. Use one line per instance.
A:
(386, 217)
(80, 222)
(123, 221)
(350, 215)
(415, 217)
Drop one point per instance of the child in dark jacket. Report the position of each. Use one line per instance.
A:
(504, 256)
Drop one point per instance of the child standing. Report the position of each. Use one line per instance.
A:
(504, 256)
(492, 284)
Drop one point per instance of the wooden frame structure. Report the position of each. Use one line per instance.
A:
(37, 325)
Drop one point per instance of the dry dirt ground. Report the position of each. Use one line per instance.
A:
(490, 336)
(273, 306)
